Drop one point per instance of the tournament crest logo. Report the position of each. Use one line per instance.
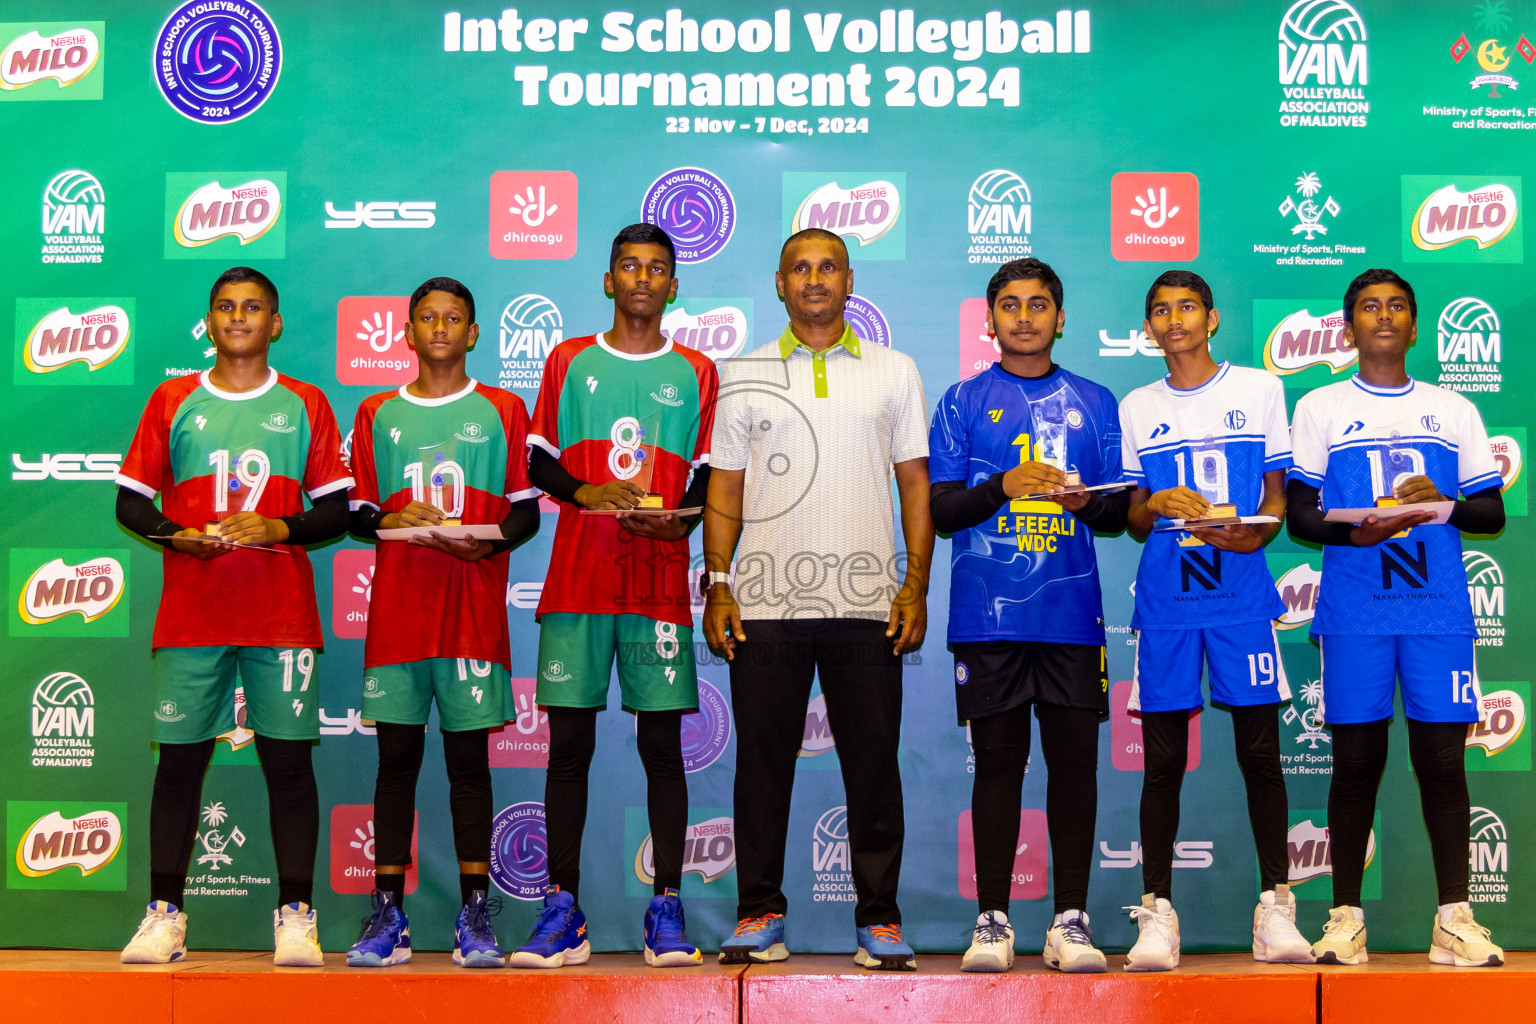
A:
(696, 210)
(94, 337)
(520, 851)
(216, 63)
(867, 321)
(63, 53)
(707, 732)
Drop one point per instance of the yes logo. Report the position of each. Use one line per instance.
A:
(867, 213)
(51, 61)
(208, 220)
(55, 344)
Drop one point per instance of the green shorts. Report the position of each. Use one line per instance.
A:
(470, 694)
(656, 667)
(195, 692)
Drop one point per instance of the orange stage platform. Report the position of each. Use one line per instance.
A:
(38, 985)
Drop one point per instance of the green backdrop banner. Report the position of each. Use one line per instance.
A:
(1276, 148)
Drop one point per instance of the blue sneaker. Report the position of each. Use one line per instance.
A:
(757, 940)
(665, 943)
(386, 938)
(881, 948)
(559, 936)
(474, 943)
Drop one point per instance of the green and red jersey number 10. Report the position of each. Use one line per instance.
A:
(447, 478)
(252, 469)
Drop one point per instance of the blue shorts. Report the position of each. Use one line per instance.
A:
(1439, 676)
(1244, 661)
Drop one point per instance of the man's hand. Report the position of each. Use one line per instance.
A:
(252, 528)
(667, 527)
(616, 494)
(1373, 529)
(1237, 539)
(908, 621)
(1179, 503)
(722, 621)
(467, 548)
(1417, 489)
(414, 515)
(201, 550)
(1033, 478)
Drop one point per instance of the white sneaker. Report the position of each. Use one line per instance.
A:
(161, 938)
(1343, 940)
(1275, 938)
(1157, 945)
(991, 949)
(1458, 939)
(1069, 945)
(295, 939)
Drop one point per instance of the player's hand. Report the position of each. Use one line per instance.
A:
(1179, 503)
(253, 528)
(908, 621)
(1239, 539)
(468, 548)
(667, 527)
(416, 514)
(1033, 478)
(722, 621)
(1417, 489)
(201, 550)
(1373, 529)
(1072, 501)
(615, 494)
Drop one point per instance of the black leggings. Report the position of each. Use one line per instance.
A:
(467, 757)
(1437, 750)
(572, 741)
(293, 815)
(1069, 738)
(1256, 735)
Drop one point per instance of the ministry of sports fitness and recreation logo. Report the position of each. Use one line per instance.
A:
(1488, 858)
(1309, 851)
(74, 218)
(1494, 26)
(709, 853)
(1462, 219)
(55, 60)
(371, 345)
(222, 215)
(706, 732)
(530, 328)
(1303, 339)
(533, 215)
(999, 218)
(865, 208)
(65, 845)
(1311, 752)
(63, 722)
(1485, 586)
(696, 210)
(831, 861)
(217, 61)
(352, 850)
(1469, 345)
(1311, 211)
(867, 321)
(73, 341)
(68, 593)
(520, 851)
(1154, 216)
(1027, 880)
(1497, 741)
(218, 835)
(719, 329)
(1323, 65)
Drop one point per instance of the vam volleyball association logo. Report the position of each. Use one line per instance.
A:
(1323, 65)
(216, 63)
(530, 328)
(999, 218)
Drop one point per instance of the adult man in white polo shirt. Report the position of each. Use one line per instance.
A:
(807, 431)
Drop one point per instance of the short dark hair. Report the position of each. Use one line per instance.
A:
(1025, 270)
(442, 284)
(242, 275)
(643, 234)
(1181, 279)
(822, 233)
(1377, 275)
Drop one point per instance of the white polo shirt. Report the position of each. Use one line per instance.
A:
(818, 433)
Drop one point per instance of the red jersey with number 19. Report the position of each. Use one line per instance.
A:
(211, 453)
(467, 455)
(603, 413)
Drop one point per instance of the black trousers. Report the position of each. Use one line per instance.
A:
(770, 686)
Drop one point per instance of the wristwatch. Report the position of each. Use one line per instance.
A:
(717, 577)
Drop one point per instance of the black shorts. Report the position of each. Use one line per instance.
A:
(993, 676)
